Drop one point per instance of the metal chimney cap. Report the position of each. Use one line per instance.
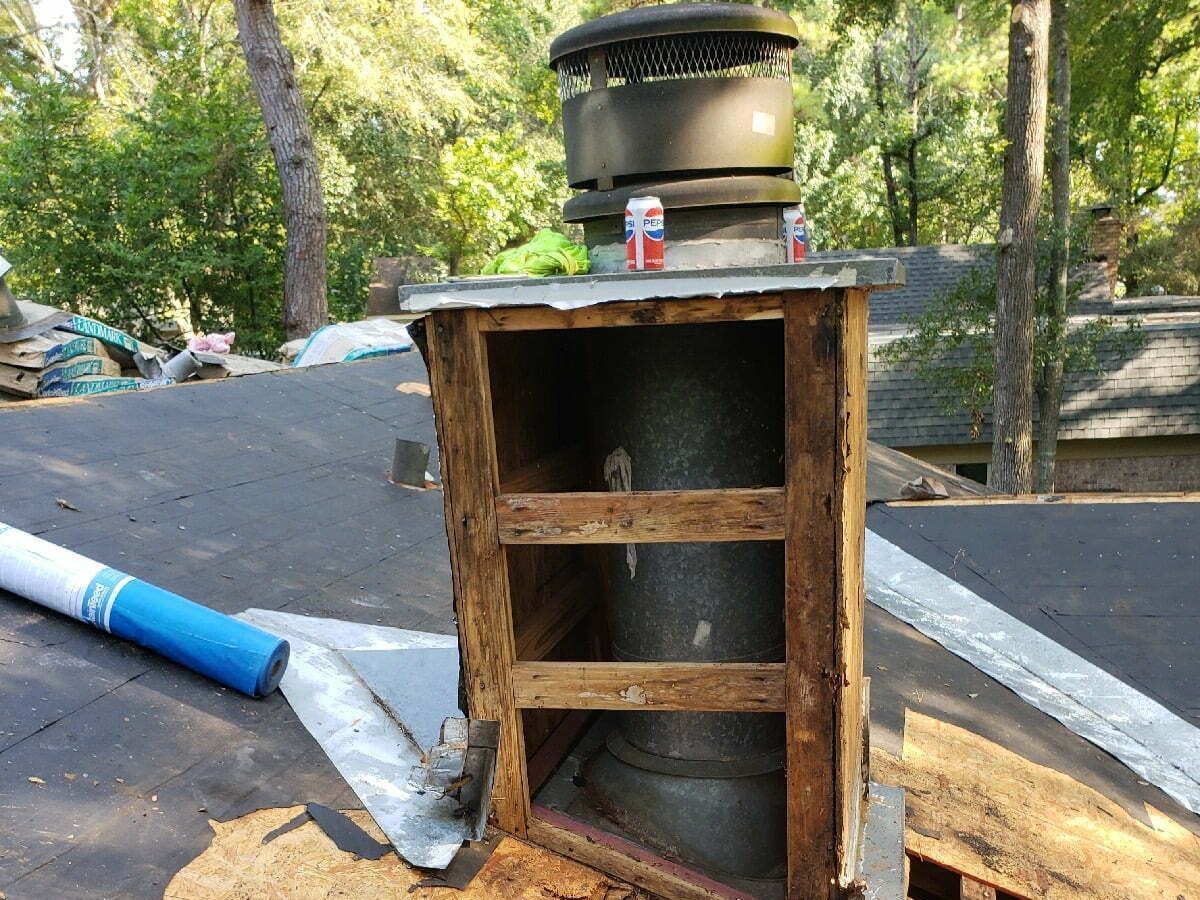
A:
(673, 19)
(696, 193)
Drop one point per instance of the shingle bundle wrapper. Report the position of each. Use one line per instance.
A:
(229, 651)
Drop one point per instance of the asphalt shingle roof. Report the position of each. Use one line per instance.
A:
(935, 269)
(929, 271)
(1154, 391)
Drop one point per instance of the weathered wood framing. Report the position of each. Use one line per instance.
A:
(521, 516)
(695, 687)
(463, 409)
(748, 308)
(621, 859)
(641, 517)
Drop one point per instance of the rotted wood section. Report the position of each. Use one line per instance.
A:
(651, 312)
(1018, 829)
(463, 408)
(825, 420)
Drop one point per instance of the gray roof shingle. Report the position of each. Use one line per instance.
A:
(1154, 391)
(929, 271)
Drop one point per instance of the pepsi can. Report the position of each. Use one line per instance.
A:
(644, 234)
(795, 233)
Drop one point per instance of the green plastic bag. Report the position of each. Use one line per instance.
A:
(548, 253)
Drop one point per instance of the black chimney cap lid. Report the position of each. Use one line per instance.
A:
(671, 19)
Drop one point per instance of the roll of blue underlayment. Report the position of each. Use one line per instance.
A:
(235, 653)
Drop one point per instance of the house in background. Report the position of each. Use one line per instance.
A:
(1134, 426)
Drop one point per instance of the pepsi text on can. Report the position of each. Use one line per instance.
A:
(795, 233)
(644, 234)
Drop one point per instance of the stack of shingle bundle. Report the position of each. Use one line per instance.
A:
(76, 357)
(42, 364)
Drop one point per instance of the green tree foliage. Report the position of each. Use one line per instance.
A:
(897, 138)
(148, 187)
(1136, 104)
(436, 126)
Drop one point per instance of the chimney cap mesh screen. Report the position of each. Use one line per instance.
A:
(680, 56)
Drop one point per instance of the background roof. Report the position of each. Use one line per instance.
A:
(1154, 391)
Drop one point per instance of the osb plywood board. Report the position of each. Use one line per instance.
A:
(980, 809)
(304, 864)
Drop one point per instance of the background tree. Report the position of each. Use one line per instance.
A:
(896, 140)
(436, 132)
(1024, 159)
(950, 346)
(273, 78)
(1049, 387)
(163, 201)
(1134, 64)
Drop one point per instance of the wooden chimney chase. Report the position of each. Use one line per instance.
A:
(522, 525)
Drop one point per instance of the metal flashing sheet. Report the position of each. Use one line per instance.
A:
(1146, 736)
(364, 734)
(589, 290)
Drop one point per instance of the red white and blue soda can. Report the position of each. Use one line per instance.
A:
(644, 234)
(795, 233)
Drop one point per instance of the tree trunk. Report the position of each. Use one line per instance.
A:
(272, 75)
(916, 81)
(1024, 162)
(913, 195)
(889, 174)
(95, 18)
(1050, 388)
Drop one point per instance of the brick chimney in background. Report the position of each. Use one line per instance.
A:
(1107, 241)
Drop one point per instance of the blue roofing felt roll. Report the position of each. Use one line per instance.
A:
(230, 651)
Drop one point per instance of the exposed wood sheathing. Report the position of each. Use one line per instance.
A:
(304, 864)
(980, 809)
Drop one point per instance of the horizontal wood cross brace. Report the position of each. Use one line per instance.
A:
(741, 514)
(705, 687)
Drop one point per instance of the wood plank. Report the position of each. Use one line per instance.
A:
(462, 404)
(984, 811)
(744, 514)
(814, 468)
(557, 746)
(970, 889)
(712, 687)
(850, 703)
(649, 312)
(305, 864)
(551, 621)
(623, 859)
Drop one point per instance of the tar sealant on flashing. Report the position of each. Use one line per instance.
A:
(235, 653)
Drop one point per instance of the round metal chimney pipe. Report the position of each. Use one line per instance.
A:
(685, 89)
(690, 103)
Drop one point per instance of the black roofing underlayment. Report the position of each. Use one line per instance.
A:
(271, 491)
(1116, 583)
(262, 491)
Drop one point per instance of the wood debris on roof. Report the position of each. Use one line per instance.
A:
(304, 864)
(987, 812)
(889, 471)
